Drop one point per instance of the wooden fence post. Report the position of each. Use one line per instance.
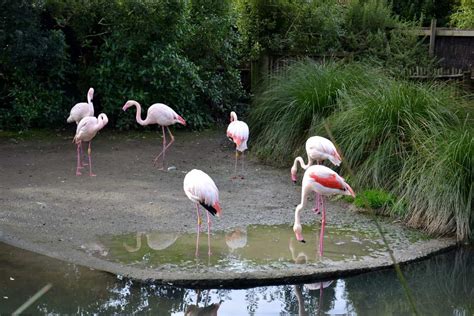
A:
(432, 37)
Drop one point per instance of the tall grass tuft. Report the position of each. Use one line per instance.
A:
(438, 183)
(376, 127)
(293, 103)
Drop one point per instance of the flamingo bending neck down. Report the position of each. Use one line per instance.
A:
(317, 149)
(238, 132)
(86, 130)
(201, 189)
(324, 181)
(160, 114)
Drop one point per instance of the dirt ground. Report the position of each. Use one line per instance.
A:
(46, 208)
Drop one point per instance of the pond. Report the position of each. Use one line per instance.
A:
(441, 285)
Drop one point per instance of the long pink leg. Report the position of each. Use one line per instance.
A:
(78, 167)
(90, 161)
(165, 146)
(323, 223)
(82, 157)
(198, 213)
(243, 158)
(208, 233)
(235, 164)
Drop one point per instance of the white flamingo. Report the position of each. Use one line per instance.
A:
(238, 132)
(324, 181)
(202, 190)
(160, 114)
(81, 110)
(318, 149)
(86, 130)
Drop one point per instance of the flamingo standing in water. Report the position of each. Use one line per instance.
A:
(318, 149)
(81, 110)
(160, 114)
(202, 190)
(238, 132)
(86, 130)
(324, 181)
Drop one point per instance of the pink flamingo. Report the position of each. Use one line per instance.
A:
(324, 181)
(86, 130)
(318, 149)
(202, 190)
(238, 132)
(160, 114)
(81, 110)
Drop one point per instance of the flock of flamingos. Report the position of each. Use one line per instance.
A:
(198, 186)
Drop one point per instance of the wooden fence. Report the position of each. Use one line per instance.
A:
(452, 47)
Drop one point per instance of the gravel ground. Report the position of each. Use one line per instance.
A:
(46, 208)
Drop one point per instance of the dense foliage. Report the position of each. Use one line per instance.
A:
(415, 140)
(182, 53)
(463, 17)
(362, 29)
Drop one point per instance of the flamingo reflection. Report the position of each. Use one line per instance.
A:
(156, 241)
(236, 239)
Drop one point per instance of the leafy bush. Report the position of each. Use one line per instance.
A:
(463, 17)
(33, 66)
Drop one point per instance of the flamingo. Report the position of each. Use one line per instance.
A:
(86, 130)
(160, 114)
(318, 149)
(324, 181)
(238, 132)
(202, 190)
(81, 110)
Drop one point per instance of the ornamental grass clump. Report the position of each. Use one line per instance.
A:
(377, 127)
(438, 183)
(293, 103)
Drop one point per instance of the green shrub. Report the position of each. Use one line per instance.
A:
(377, 126)
(374, 199)
(294, 103)
(463, 17)
(33, 68)
(438, 183)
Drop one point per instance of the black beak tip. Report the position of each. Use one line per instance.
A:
(294, 181)
(303, 241)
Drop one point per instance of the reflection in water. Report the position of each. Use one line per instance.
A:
(206, 310)
(236, 239)
(155, 240)
(254, 248)
(442, 285)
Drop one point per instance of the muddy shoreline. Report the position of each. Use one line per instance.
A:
(47, 209)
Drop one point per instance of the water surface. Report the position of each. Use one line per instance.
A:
(442, 285)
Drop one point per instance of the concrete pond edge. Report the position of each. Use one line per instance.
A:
(237, 280)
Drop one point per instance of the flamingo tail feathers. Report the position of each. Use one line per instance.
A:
(213, 209)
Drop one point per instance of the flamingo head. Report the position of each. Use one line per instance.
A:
(90, 95)
(233, 116)
(293, 174)
(102, 117)
(298, 233)
(180, 120)
(128, 104)
(348, 190)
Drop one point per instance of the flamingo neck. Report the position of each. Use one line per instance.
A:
(139, 114)
(302, 164)
(233, 116)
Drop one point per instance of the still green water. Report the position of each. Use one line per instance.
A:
(441, 285)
